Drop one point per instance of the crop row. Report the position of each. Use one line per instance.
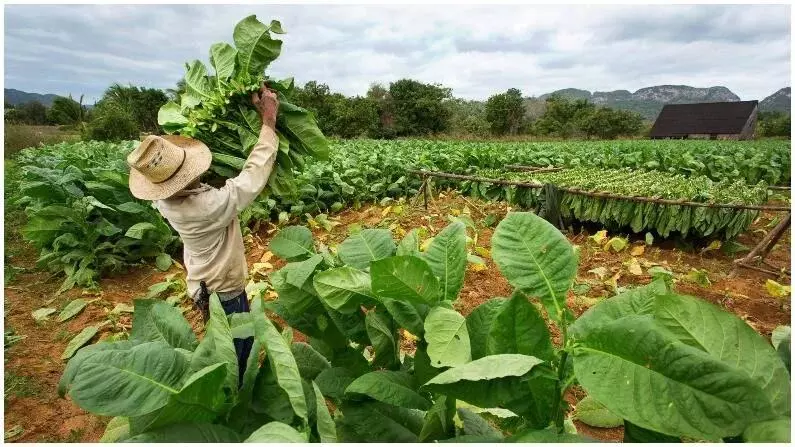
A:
(84, 220)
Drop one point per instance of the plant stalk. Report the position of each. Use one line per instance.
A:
(559, 390)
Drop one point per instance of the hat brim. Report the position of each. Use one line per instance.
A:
(198, 159)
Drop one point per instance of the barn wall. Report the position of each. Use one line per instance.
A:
(749, 130)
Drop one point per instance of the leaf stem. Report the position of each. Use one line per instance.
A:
(559, 390)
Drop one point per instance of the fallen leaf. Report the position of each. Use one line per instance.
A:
(613, 281)
(714, 245)
(699, 277)
(777, 290)
(634, 267)
(122, 308)
(259, 268)
(637, 250)
(482, 251)
(601, 272)
(42, 314)
(649, 239)
(266, 256)
(616, 244)
(599, 237)
(386, 211)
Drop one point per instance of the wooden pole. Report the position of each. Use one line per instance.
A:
(764, 246)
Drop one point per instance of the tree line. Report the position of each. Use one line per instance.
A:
(122, 113)
(404, 108)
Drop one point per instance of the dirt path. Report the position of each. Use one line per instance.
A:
(33, 365)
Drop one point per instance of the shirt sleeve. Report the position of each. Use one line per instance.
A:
(240, 191)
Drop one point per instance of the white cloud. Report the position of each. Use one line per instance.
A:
(475, 50)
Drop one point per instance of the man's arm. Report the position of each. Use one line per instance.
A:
(243, 189)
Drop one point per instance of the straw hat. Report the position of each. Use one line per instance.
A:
(162, 166)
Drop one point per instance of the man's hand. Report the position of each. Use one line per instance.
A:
(266, 103)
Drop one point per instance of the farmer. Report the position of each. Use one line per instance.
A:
(167, 169)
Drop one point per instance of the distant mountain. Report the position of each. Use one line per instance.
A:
(650, 100)
(781, 101)
(17, 97)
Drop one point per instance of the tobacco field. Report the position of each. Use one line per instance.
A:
(388, 307)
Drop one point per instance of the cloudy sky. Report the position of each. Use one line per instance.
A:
(475, 50)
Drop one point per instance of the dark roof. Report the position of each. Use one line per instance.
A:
(722, 118)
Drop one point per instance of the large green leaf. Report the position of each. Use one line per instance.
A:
(276, 432)
(409, 245)
(78, 341)
(255, 48)
(725, 336)
(155, 320)
(491, 381)
(42, 230)
(130, 382)
(474, 424)
(310, 362)
(644, 375)
(217, 346)
(536, 258)
(303, 130)
(170, 117)
(381, 331)
(343, 289)
(280, 359)
(518, 328)
(592, 413)
(117, 429)
(77, 361)
(447, 337)
(293, 243)
(189, 433)
(298, 273)
(439, 420)
(768, 431)
(334, 381)
(198, 401)
(406, 314)
(404, 278)
(391, 387)
(366, 246)
(379, 422)
(222, 58)
(326, 429)
(196, 82)
(479, 323)
(447, 257)
(701, 325)
(73, 308)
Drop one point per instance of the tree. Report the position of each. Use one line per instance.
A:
(562, 116)
(140, 103)
(419, 108)
(111, 122)
(355, 117)
(317, 98)
(773, 124)
(505, 112)
(379, 95)
(467, 117)
(33, 113)
(606, 123)
(66, 110)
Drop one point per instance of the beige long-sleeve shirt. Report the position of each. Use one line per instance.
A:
(207, 221)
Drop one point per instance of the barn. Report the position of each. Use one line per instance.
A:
(714, 121)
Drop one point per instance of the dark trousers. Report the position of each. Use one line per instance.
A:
(242, 346)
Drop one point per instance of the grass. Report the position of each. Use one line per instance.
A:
(19, 386)
(21, 136)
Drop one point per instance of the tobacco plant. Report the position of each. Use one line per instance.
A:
(670, 366)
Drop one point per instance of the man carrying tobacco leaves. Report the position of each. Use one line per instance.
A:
(166, 169)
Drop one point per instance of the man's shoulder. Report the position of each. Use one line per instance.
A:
(196, 203)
